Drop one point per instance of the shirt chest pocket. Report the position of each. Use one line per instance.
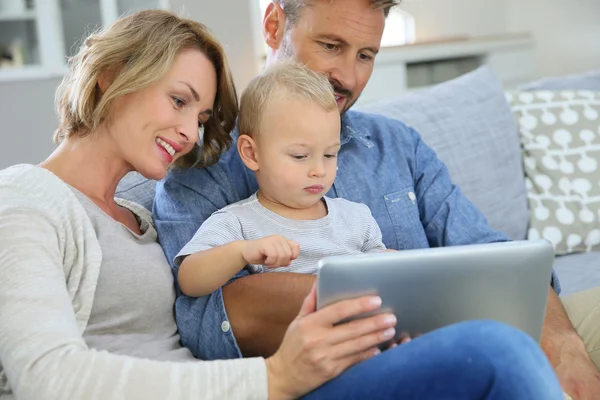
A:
(403, 210)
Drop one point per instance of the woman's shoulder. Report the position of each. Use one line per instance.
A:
(33, 187)
(30, 178)
(15, 172)
(33, 199)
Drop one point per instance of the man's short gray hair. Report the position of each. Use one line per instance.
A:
(291, 8)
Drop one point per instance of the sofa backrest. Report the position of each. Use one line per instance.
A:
(586, 81)
(134, 187)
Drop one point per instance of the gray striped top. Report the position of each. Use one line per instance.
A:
(348, 228)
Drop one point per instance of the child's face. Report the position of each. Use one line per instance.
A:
(296, 152)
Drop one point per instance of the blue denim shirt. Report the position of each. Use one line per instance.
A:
(382, 163)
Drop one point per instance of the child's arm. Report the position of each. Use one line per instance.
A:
(373, 238)
(204, 272)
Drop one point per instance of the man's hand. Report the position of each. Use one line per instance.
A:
(578, 375)
(272, 251)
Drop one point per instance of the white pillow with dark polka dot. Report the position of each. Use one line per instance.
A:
(560, 137)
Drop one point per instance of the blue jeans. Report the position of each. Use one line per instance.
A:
(470, 360)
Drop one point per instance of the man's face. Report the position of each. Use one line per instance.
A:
(340, 38)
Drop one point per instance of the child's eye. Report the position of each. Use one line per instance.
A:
(298, 156)
(330, 155)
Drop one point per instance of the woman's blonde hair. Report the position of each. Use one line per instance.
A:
(137, 51)
(285, 78)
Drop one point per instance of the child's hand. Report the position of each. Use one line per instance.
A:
(272, 251)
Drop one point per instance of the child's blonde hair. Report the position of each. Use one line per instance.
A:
(286, 78)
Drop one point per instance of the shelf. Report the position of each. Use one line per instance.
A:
(453, 47)
(414, 67)
(21, 16)
(46, 30)
(28, 72)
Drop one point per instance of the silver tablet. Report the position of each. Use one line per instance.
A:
(430, 288)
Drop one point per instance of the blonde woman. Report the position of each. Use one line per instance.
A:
(86, 294)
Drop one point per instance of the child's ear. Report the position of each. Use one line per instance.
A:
(246, 147)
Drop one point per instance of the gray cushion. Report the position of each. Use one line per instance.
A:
(134, 187)
(578, 272)
(586, 81)
(468, 122)
(560, 150)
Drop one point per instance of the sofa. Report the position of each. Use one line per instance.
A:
(477, 129)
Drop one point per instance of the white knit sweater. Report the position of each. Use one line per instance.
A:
(49, 264)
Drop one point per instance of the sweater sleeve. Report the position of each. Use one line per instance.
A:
(42, 350)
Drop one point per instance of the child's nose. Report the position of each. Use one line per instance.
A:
(318, 170)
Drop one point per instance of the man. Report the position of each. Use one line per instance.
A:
(382, 163)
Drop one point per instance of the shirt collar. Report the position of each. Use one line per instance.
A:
(352, 130)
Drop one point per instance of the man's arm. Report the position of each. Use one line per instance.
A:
(260, 308)
(447, 216)
(576, 372)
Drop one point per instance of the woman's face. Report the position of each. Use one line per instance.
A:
(154, 127)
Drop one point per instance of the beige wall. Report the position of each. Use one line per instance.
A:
(27, 121)
(567, 33)
(236, 33)
(438, 18)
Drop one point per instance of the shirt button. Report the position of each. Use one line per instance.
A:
(412, 196)
(225, 326)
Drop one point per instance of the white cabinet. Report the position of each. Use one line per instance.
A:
(402, 69)
(37, 36)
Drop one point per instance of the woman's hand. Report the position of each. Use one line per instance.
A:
(315, 351)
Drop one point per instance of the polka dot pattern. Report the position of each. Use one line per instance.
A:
(560, 137)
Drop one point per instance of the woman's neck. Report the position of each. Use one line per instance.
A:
(92, 165)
